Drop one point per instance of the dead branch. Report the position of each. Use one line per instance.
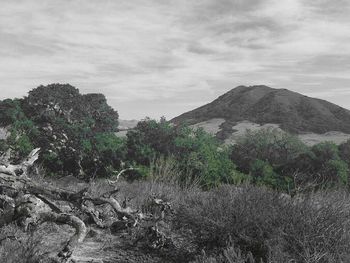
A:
(34, 203)
(121, 212)
(93, 213)
(50, 203)
(22, 168)
(75, 222)
(111, 182)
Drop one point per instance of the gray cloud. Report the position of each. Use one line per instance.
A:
(165, 57)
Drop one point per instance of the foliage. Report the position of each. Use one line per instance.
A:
(262, 173)
(105, 151)
(21, 130)
(11, 111)
(270, 145)
(201, 155)
(76, 135)
(321, 166)
(340, 169)
(344, 152)
(150, 139)
(262, 153)
(328, 163)
(75, 132)
(198, 154)
(46, 103)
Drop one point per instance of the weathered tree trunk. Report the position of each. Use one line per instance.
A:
(75, 222)
(21, 169)
(29, 203)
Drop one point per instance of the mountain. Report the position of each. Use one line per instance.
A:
(262, 105)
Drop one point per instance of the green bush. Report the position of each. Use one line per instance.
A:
(344, 152)
(22, 131)
(264, 153)
(23, 145)
(270, 145)
(328, 165)
(262, 173)
(150, 140)
(340, 169)
(199, 155)
(202, 156)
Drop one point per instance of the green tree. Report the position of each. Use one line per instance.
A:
(328, 165)
(198, 153)
(270, 145)
(262, 173)
(103, 154)
(74, 131)
(150, 139)
(205, 158)
(320, 166)
(22, 131)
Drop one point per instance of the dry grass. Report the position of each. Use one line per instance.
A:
(231, 224)
(166, 181)
(18, 246)
(229, 255)
(271, 228)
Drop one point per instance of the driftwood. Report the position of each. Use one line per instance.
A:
(30, 204)
(21, 169)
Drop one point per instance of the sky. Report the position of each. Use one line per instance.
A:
(165, 57)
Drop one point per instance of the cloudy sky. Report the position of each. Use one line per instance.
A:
(164, 57)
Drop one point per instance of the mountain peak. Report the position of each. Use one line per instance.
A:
(261, 104)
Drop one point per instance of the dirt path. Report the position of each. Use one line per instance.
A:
(106, 248)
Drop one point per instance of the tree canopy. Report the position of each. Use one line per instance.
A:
(68, 126)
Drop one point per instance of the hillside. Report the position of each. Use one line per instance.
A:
(71, 191)
(294, 112)
(262, 105)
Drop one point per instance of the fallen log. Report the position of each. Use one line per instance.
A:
(30, 203)
(76, 223)
(22, 168)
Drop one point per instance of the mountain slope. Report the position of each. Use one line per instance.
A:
(292, 111)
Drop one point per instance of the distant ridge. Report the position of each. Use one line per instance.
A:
(293, 112)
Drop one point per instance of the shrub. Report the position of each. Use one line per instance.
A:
(270, 145)
(203, 156)
(199, 154)
(262, 173)
(270, 227)
(103, 153)
(18, 246)
(344, 152)
(229, 255)
(150, 140)
(340, 169)
(321, 166)
(22, 131)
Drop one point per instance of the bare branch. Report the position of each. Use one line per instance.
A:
(75, 222)
(119, 174)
